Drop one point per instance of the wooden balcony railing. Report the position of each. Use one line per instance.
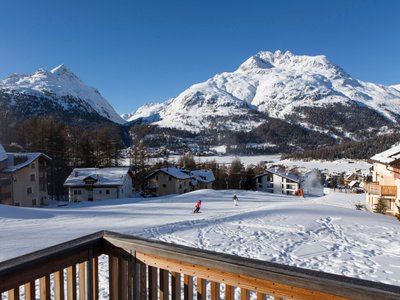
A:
(380, 190)
(144, 269)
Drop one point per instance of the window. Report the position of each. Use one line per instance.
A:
(33, 165)
(180, 185)
(29, 190)
(108, 192)
(16, 204)
(100, 191)
(259, 179)
(156, 178)
(33, 177)
(170, 178)
(34, 202)
(75, 192)
(164, 185)
(79, 192)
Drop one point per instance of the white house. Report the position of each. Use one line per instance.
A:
(92, 184)
(278, 181)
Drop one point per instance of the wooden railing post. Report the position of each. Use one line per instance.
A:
(188, 287)
(82, 281)
(244, 294)
(45, 288)
(142, 281)
(201, 289)
(229, 292)
(122, 279)
(215, 291)
(30, 289)
(59, 285)
(113, 277)
(71, 282)
(176, 286)
(95, 278)
(164, 284)
(153, 288)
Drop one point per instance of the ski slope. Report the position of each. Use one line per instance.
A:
(324, 233)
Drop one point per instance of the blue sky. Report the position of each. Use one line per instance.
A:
(136, 52)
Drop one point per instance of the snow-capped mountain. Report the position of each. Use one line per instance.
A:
(396, 86)
(57, 90)
(273, 84)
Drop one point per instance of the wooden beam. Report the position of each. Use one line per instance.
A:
(164, 284)
(188, 287)
(71, 282)
(234, 279)
(142, 280)
(201, 289)
(59, 285)
(13, 294)
(176, 285)
(260, 296)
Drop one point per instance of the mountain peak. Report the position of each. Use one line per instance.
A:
(62, 70)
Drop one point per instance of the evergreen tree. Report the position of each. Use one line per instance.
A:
(380, 207)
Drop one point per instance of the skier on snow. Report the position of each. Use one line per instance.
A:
(235, 200)
(197, 206)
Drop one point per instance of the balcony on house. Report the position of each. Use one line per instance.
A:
(375, 188)
(145, 269)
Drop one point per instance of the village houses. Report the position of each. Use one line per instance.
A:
(92, 184)
(278, 181)
(174, 180)
(384, 185)
(23, 178)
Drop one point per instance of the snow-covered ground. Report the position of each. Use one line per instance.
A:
(324, 233)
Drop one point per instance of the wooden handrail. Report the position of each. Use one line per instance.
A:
(141, 269)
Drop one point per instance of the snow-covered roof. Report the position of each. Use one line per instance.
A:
(17, 161)
(3, 154)
(102, 176)
(175, 172)
(281, 173)
(204, 176)
(389, 156)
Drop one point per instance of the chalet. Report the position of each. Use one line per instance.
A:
(23, 179)
(278, 181)
(167, 181)
(92, 184)
(202, 179)
(384, 184)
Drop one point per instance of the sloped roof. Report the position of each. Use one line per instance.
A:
(103, 176)
(25, 158)
(389, 156)
(3, 154)
(281, 173)
(174, 172)
(204, 176)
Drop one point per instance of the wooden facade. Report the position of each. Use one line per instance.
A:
(144, 269)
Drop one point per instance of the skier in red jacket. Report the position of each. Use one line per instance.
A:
(197, 206)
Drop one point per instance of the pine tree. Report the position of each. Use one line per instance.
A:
(380, 207)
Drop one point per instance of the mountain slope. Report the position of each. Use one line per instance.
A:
(276, 85)
(58, 91)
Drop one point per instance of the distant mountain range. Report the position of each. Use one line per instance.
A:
(274, 101)
(58, 92)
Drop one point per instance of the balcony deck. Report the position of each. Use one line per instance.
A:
(144, 269)
(375, 188)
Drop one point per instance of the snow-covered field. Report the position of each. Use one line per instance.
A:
(324, 233)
